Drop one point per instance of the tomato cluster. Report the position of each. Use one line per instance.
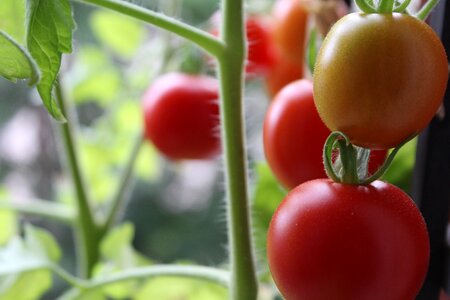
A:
(379, 79)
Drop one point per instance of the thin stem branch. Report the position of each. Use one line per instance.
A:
(37, 207)
(201, 38)
(87, 239)
(426, 9)
(122, 195)
(243, 285)
(214, 275)
(386, 6)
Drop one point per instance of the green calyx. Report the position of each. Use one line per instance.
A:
(391, 6)
(351, 164)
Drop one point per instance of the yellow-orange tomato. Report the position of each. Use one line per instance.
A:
(289, 28)
(379, 78)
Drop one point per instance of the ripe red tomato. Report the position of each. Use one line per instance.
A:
(379, 78)
(260, 56)
(294, 136)
(289, 28)
(337, 241)
(181, 114)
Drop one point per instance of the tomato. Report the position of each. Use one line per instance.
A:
(181, 114)
(338, 241)
(289, 28)
(259, 44)
(379, 78)
(282, 72)
(294, 136)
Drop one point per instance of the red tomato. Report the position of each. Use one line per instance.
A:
(336, 241)
(260, 54)
(181, 114)
(289, 28)
(379, 78)
(294, 136)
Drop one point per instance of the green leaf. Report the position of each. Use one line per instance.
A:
(12, 19)
(25, 263)
(118, 254)
(165, 288)
(267, 196)
(15, 61)
(8, 222)
(119, 33)
(49, 35)
(400, 171)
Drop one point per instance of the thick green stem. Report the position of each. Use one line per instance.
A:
(121, 196)
(87, 231)
(243, 285)
(202, 39)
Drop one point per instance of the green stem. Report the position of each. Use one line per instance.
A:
(86, 233)
(122, 195)
(201, 38)
(347, 155)
(426, 9)
(205, 273)
(386, 6)
(243, 285)
(42, 208)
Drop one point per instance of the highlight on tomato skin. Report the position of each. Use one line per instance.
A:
(181, 116)
(379, 78)
(294, 137)
(339, 241)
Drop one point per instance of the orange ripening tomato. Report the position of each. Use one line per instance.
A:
(379, 78)
(289, 28)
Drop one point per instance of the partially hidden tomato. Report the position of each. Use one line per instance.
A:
(260, 56)
(294, 136)
(181, 114)
(379, 78)
(339, 241)
(282, 72)
(290, 19)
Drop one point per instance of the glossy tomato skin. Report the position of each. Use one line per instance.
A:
(335, 241)
(290, 19)
(379, 78)
(181, 115)
(294, 136)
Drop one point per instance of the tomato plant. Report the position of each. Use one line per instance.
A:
(379, 78)
(294, 136)
(339, 241)
(181, 114)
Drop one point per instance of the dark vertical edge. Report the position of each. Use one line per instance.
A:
(431, 179)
